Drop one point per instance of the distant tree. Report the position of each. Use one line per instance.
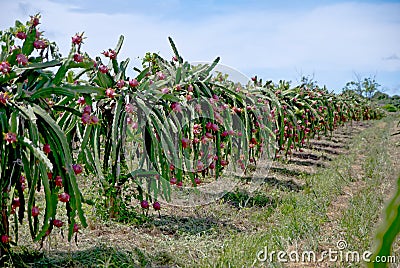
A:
(365, 87)
(370, 86)
(380, 96)
(308, 80)
(353, 86)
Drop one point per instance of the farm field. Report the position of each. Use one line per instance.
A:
(179, 166)
(333, 191)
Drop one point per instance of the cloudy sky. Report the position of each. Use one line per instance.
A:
(331, 41)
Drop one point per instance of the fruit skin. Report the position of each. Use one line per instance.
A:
(35, 20)
(103, 69)
(120, 83)
(16, 203)
(144, 204)
(224, 162)
(156, 205)
(129, 108)
(63, 197)
(185, 143)
(81, 101)
(77, 169)
(4, 97)
(173, 180)
(200, 166)
(110, 54)
(77, 39)
(212, 165)
(21, 35)
(86, 119)
(10, 137)
(160, 76)
(94, 120)
(87, 109)
(76, 228)
(209, 135)
(58, 223)
(40, 44)
(5, 239)
(46, 148)
(5, 67)
(110, 93)
(78, 57)
(176, 107)
(58, 181)
(215, 127)
(22, 59)
(35, 211)
(133, 83)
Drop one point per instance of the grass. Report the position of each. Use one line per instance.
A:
(365, 207)
(299, 218)
(342, 200)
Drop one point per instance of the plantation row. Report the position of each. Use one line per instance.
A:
(173, 125)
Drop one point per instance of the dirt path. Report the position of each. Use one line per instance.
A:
(330, 231)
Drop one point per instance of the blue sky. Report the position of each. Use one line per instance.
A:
(331, 41)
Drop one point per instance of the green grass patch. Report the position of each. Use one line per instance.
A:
(299, 216)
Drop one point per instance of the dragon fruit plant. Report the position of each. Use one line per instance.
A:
(38, 95)
(175, 124)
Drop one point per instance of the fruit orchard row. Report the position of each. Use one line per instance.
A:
(172, 124)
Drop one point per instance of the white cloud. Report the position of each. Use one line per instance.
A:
(392, 57)
(326, 40)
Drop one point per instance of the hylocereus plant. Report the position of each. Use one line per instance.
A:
(173, 125)
(37, 166)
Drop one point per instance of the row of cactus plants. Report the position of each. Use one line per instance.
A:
(36, 156)
(173, 124)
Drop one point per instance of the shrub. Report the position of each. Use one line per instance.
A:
(390, 108)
